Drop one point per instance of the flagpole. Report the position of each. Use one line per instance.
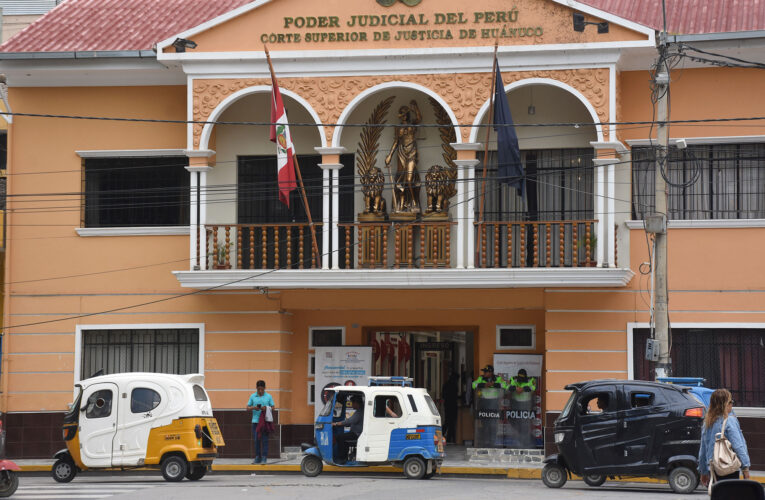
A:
(486, 152)
(300, 180)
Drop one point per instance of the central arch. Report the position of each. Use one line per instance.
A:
(540, 81)
(391, 85)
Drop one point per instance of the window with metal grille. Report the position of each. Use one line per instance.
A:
(730, 358)
(719, 181)
(559, 181)
(135, 192)
(140, 350)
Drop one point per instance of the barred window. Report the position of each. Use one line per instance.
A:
(140, 350)
(560, 186)
(720, 181)
(133, 192)
(730, 358)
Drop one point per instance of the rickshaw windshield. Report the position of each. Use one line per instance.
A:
(432, 406)
(328, 406)
(569, 405)
(73, 414)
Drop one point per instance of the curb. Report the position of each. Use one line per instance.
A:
(509, 473)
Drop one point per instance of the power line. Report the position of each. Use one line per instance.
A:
(384, 125)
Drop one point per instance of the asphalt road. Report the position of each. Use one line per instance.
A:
(218, 486)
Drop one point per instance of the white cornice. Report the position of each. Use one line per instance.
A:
(134, 231)
(704, 224)
(407, 278)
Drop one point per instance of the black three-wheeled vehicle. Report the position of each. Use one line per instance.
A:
(612, 428)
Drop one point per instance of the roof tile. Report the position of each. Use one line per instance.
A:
(105, 25)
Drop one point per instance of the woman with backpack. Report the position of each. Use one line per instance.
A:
(718, 420)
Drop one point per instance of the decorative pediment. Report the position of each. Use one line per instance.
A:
(396, 24)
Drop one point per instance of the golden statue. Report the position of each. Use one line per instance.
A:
(406, 185)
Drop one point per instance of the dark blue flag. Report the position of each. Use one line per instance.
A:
(510, 169)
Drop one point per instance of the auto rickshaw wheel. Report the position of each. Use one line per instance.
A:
(554, 475)
(683, 480)
(196, 472)
(63, 470)
(174, 468)
(9, 481)
(311, 466)
(414, 468)
(594, 479)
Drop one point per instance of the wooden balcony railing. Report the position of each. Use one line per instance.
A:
(403, 245)
(568, 243)
(391, 245)
(261, 246)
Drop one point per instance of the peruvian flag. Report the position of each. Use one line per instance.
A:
(280, 134)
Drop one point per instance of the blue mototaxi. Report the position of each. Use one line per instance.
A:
(401, 427)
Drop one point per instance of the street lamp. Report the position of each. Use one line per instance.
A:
(580, 23)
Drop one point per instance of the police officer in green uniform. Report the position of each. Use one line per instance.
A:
(489, 392)
(523, 385)
(489, 380)
(523, 388)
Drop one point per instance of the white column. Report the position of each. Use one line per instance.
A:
(466, 194)
(325, 228)
(611, 229)
(605, 199)
(464, 212)
(600, 210)
(335, 218)
(194, 235)
(331, 205)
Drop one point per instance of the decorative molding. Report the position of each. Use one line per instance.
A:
(330, 150)
(615, 145)
(199, 168)
(331, 166)
(704, 224)
(134, 231)
(732, 139)
(407, 278)
(464, 93)
(199, 153)
(129, 153)
(467, 146)
(467, 163)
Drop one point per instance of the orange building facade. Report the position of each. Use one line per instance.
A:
(158, 243)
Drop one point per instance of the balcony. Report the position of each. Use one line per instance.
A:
(417, 254)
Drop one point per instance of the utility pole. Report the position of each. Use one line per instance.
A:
(661, 312)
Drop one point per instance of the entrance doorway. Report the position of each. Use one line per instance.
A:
(441, 361)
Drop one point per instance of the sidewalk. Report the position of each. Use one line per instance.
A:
(456, 462)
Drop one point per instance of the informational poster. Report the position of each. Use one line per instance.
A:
(521, 419)
(341, 365)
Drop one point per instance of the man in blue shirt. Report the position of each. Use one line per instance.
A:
(257, 403)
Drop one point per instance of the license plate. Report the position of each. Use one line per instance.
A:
(215, 433)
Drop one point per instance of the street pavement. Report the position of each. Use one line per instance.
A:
(327, 486)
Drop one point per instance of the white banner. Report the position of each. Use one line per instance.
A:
(343, 365)
(508, 365)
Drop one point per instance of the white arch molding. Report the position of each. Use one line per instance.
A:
(391, 85)
(257, 89)
(540, 81)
